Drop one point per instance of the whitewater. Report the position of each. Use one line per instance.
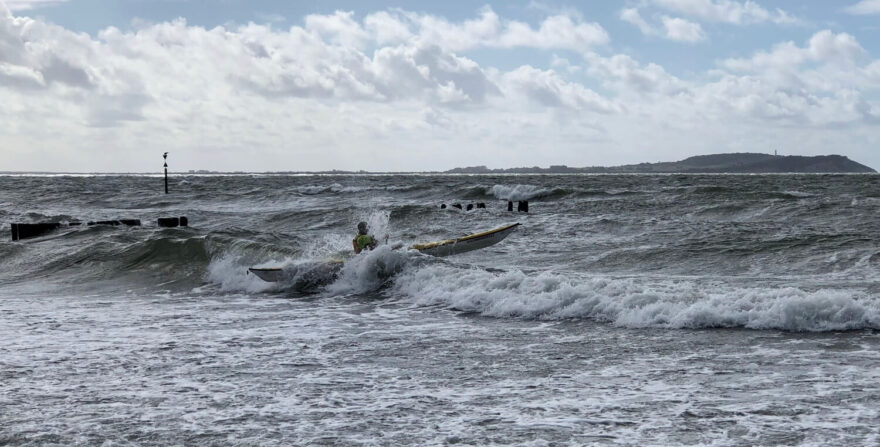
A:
(626, 310)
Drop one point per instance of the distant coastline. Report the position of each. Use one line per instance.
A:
(736, 163)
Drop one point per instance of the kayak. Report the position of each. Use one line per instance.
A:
(466, 243)
(311, 274)
(301, 275)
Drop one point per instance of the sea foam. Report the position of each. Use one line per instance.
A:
(519, 192)
(638, 303)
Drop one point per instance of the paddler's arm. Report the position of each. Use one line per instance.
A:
(354, 244)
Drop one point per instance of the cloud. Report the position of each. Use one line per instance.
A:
(548, 89)
(487, 31)
(864, 7)
(332, 81)
(819, 83)
(682, 30)
(450, 79)
(339, 27)
(23, 5)
(824, 47)
(558, 31)
(673, 28)
(634, 17)
(49, 54)
(626, 76)
(726, 11)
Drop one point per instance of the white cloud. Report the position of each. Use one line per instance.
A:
(726, 11)
(864, 7)
(23, 5)
(387, 29)
(819, 84)
(558, 31)
(634, 17)
(490, 31)
(823, 47)
(628, 77)
(548, 89)
(682, 30)
(339, 27)
(673, 28)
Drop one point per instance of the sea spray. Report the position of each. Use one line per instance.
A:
(369, 270)
(231, 275)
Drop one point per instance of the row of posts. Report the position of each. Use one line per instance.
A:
(31, 230)
(521, 206)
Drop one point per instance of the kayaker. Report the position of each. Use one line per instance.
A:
(363, 241)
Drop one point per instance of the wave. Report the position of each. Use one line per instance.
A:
(639, 304)
(171, 256)
(524, 192)
(337, 188)
(513, 192)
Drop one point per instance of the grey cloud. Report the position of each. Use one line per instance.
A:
(59, 70)
(292, 84)
(395, 73)
(50, 66)
(445, 67)
(20, 78)
(414, 71)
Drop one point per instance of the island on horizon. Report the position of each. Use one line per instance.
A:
(735, 163)
(731, 163)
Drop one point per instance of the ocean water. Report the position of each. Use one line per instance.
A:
(626, 310)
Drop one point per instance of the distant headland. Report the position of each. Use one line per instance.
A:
(739, 163)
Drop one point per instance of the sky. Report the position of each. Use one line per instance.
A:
(272, 85)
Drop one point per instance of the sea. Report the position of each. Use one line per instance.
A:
(626, 310)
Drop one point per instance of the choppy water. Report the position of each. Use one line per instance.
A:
(628, 310)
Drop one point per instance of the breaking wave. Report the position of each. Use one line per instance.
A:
(639, 304)
(523, 192)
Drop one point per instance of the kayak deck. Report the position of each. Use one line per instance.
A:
(466, 243)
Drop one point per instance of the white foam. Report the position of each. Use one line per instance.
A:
(638, 303)
(228, 272)
(369, 270)
(518, 192)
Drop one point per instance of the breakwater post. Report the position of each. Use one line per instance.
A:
(171, 222)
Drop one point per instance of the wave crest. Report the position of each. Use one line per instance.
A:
(639, 304)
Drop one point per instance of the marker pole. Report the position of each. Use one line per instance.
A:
(165, 156)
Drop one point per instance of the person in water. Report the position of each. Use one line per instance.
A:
(363, 241)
